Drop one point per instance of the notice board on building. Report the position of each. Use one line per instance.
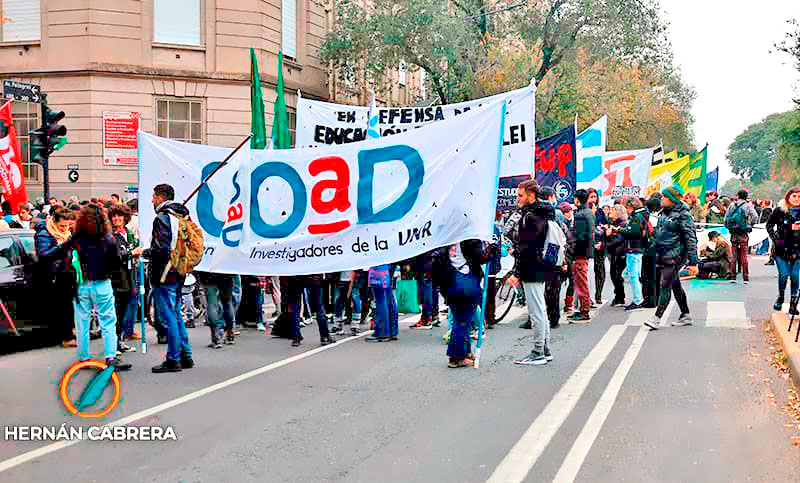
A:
(119, 138)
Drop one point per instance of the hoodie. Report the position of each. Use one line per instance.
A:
(165, 231)
(532, 233)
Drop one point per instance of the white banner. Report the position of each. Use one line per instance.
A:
(625, 173)
(336, 208)
(322, 123)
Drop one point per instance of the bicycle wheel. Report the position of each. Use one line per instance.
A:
(504, 299)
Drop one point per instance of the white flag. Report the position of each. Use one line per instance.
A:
(232, 238)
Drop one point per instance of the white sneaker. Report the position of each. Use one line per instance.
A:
(683, 320)
(260, 327)
(653, 322)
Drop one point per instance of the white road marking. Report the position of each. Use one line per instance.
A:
(580, 448)
(727, 314)
(31, 455)
(637, 318)
(519, 461)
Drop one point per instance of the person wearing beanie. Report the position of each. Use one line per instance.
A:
(675, 244)
(739, 220)
(783, 227)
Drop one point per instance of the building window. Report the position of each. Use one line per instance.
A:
(26, 118)
(291, 114)
(177, 22)
(289, 28)
(181, 120)
(21, 20)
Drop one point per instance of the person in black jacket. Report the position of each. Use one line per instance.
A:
(675, 243)
(615, 247)
(52, 274)
(569, 220)
(583, 252)
(637, 237)
(599, 246)
(98, 258)
(650, 273)
(531, 270)
(783, 227)
(166, 282)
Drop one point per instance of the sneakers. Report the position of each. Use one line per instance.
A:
(747, 282)
(326, 341)
(186, 362)
(579, 318)
(526, 325)
(230, 337)
(260, 327)
(683, 320)
(123, 347)
(372, 338)
(295, 342)
(653, 322)
(167, 366)
(778, 303)
(618, 303)
(633, 306)
(214, 345)
(118, 365)
(532, 359)
(547, 355)
(354, 330)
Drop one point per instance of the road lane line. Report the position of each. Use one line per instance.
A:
(30, 455)
(727, 314)
(585, 440)
(519, 461)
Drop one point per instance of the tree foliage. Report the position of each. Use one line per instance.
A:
(754, 153)
(791, 45)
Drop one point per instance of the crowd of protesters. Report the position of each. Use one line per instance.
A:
(88, 255)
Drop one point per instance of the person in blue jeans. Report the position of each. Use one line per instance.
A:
(95, 259)
(637, 237)
(166, 282)
(221, 310)
(783, 227)
(314, 285)
(386, 317)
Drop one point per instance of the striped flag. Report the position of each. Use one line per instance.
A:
(658, 154)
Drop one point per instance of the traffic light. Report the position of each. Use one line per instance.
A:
(38, 146)
(53, 128)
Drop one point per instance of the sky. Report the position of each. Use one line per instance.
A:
(725, 51)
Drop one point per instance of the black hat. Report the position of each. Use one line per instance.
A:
(713, 234)
(546, 191)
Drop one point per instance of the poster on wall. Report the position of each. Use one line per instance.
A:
(119, 138)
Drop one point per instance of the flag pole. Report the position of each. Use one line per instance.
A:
(221, 165)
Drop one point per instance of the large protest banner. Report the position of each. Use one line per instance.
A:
(625, 173)
(555, 163)
(322, 123)
(337, 207)
(591, 147)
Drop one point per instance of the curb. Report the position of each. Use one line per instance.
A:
(780, 325)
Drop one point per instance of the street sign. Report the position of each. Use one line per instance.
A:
(73, 176)
(21, 91)
(73, 166)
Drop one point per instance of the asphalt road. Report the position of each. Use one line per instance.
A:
(618, 403)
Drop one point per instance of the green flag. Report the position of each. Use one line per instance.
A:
(699, 172)
(281, 138)
(257, 126)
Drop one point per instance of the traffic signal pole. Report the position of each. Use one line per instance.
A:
(46, 165)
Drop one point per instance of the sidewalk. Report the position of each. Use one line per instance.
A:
(791, 349)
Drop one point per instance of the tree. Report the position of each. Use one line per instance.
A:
(753, 153)
(453, 45)
(791, 45)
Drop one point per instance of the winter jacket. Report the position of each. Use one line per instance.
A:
(723, 254)
(635, 232)
(161, 243)
(98, 255)
(750, 213)
(122, 279)
(532, 233)
(675, 237)
(779, 227)
(615, 244)
(52, 257)
(600, 235)
(584, 233)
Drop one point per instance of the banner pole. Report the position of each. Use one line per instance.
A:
(221, 165)
(142, 307)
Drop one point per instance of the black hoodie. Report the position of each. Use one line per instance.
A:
(532, 234)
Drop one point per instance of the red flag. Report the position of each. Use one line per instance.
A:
(11, 174)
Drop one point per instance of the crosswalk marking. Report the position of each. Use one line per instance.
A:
(727, 314)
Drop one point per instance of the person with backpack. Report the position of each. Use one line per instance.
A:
(783, 227)
(739, 221)
(675, 243)
(583, 252)
(538, 261)
(552, 288)
(165, 279)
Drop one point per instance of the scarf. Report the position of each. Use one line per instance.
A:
(55, 231)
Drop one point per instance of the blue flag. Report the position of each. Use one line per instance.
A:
(712, 180)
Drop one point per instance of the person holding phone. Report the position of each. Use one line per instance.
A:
(783, 227)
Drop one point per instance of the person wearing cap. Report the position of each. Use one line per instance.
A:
(716, 261)
(675, 244)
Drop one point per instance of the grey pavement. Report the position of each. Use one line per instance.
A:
(695, 406)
